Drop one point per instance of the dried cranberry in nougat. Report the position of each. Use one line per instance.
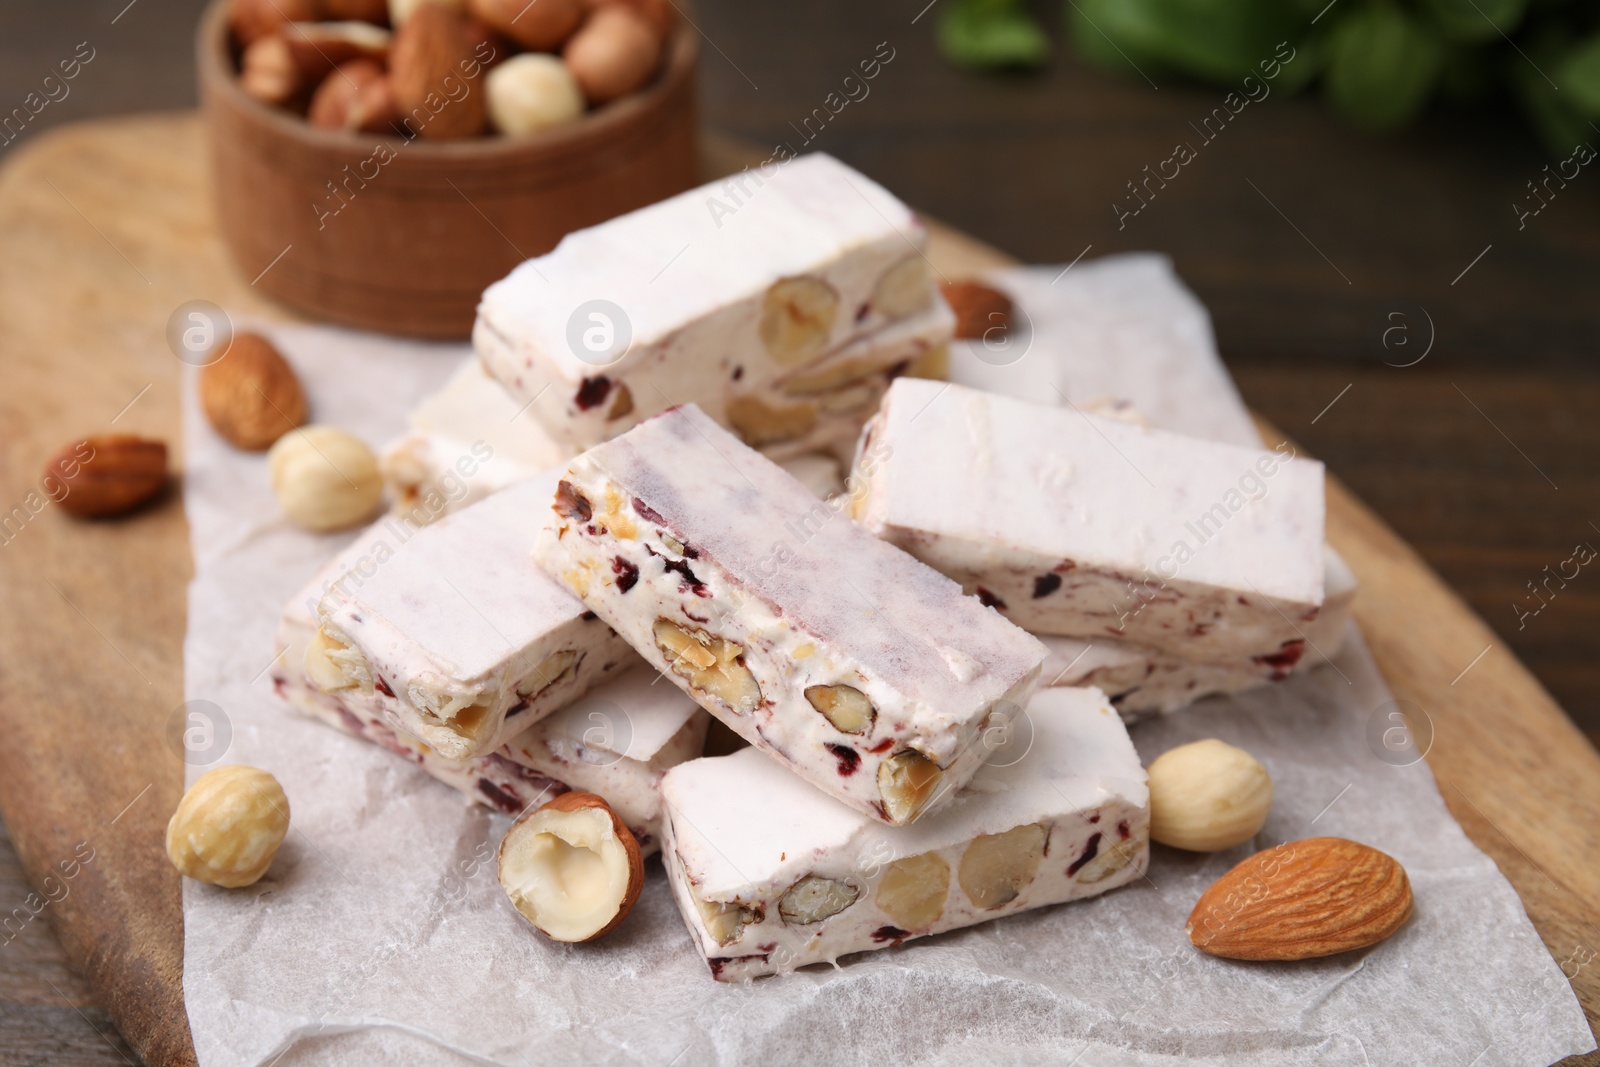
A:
(770, 876)
(863, 671)
(1088, 527)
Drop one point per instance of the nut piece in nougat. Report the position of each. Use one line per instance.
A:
(464, 641)
(1073, 524)
(617, 740)
(868, 674)
(770, 876)
(728, 296)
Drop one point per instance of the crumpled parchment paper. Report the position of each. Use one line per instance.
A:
(380, 935)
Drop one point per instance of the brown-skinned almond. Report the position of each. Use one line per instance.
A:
(428, 67)
(1302, 900)
(97, 477)
(251, 395)
(979, 308)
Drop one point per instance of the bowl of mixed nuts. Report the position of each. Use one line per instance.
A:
(379, 162)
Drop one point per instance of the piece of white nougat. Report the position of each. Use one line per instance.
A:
(868, 674)
(464, 640)
(1088, 527)
(770, 876)
(782, 307)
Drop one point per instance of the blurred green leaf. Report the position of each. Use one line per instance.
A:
(1560, 126)
(991, 35)
(1217, 40)
(1578, 73)
(1475, 20)
(1382, 65)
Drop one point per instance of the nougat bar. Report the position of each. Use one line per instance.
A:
(865, 672)
(1081, 526)
(1143, 681)
(464, 641)
(463, 443)
(616, 741)
(712, 297)
(770, 876)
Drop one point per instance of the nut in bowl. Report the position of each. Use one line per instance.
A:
(371, 175)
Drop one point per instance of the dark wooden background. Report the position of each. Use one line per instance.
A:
(1307, 241)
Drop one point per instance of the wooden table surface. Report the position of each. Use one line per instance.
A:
(109, 231)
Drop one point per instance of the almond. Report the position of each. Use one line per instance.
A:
(428, 68)
(251, 395)
(107, 475)
(1302, 900)
(978, 307)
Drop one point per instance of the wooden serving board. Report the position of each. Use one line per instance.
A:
(107, 228)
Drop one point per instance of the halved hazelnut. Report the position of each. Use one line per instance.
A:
(906, 781)
(333, 664)
(914, 889)
(843, 705)
(725, 922)
(814, 898)
(571, 868)
(712, 664)
(905, 288)
(467, 723)
(760, 423)
(1113, 858)
(995, 868)
(934, 363)
(797, 316)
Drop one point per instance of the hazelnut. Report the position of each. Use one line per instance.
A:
(285, 66)
(797, 316)
(845, 706)
(906, 781)
(532, 92)
(1113, 858)
(996, 868)
(373, 11)
(251, 395)
(814, 898)
(614, 53)
(571, 868)
(356, 96)
(1208, 796)
(725, 922)
(904, 289)
(228, 826)
(913, 890)
(324, 478)
(540, 26)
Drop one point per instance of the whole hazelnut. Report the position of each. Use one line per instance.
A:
(1207, 796)
(228, 826)
(614, 53)
(324, 478)
(532, 92)
(541, 26)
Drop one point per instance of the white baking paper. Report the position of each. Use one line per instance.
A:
(381, 936)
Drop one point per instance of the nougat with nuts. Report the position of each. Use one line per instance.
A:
(770, 876)
(461, 640)
(866, 673)
(1072, 524)
(616, 740)
(727, 296)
